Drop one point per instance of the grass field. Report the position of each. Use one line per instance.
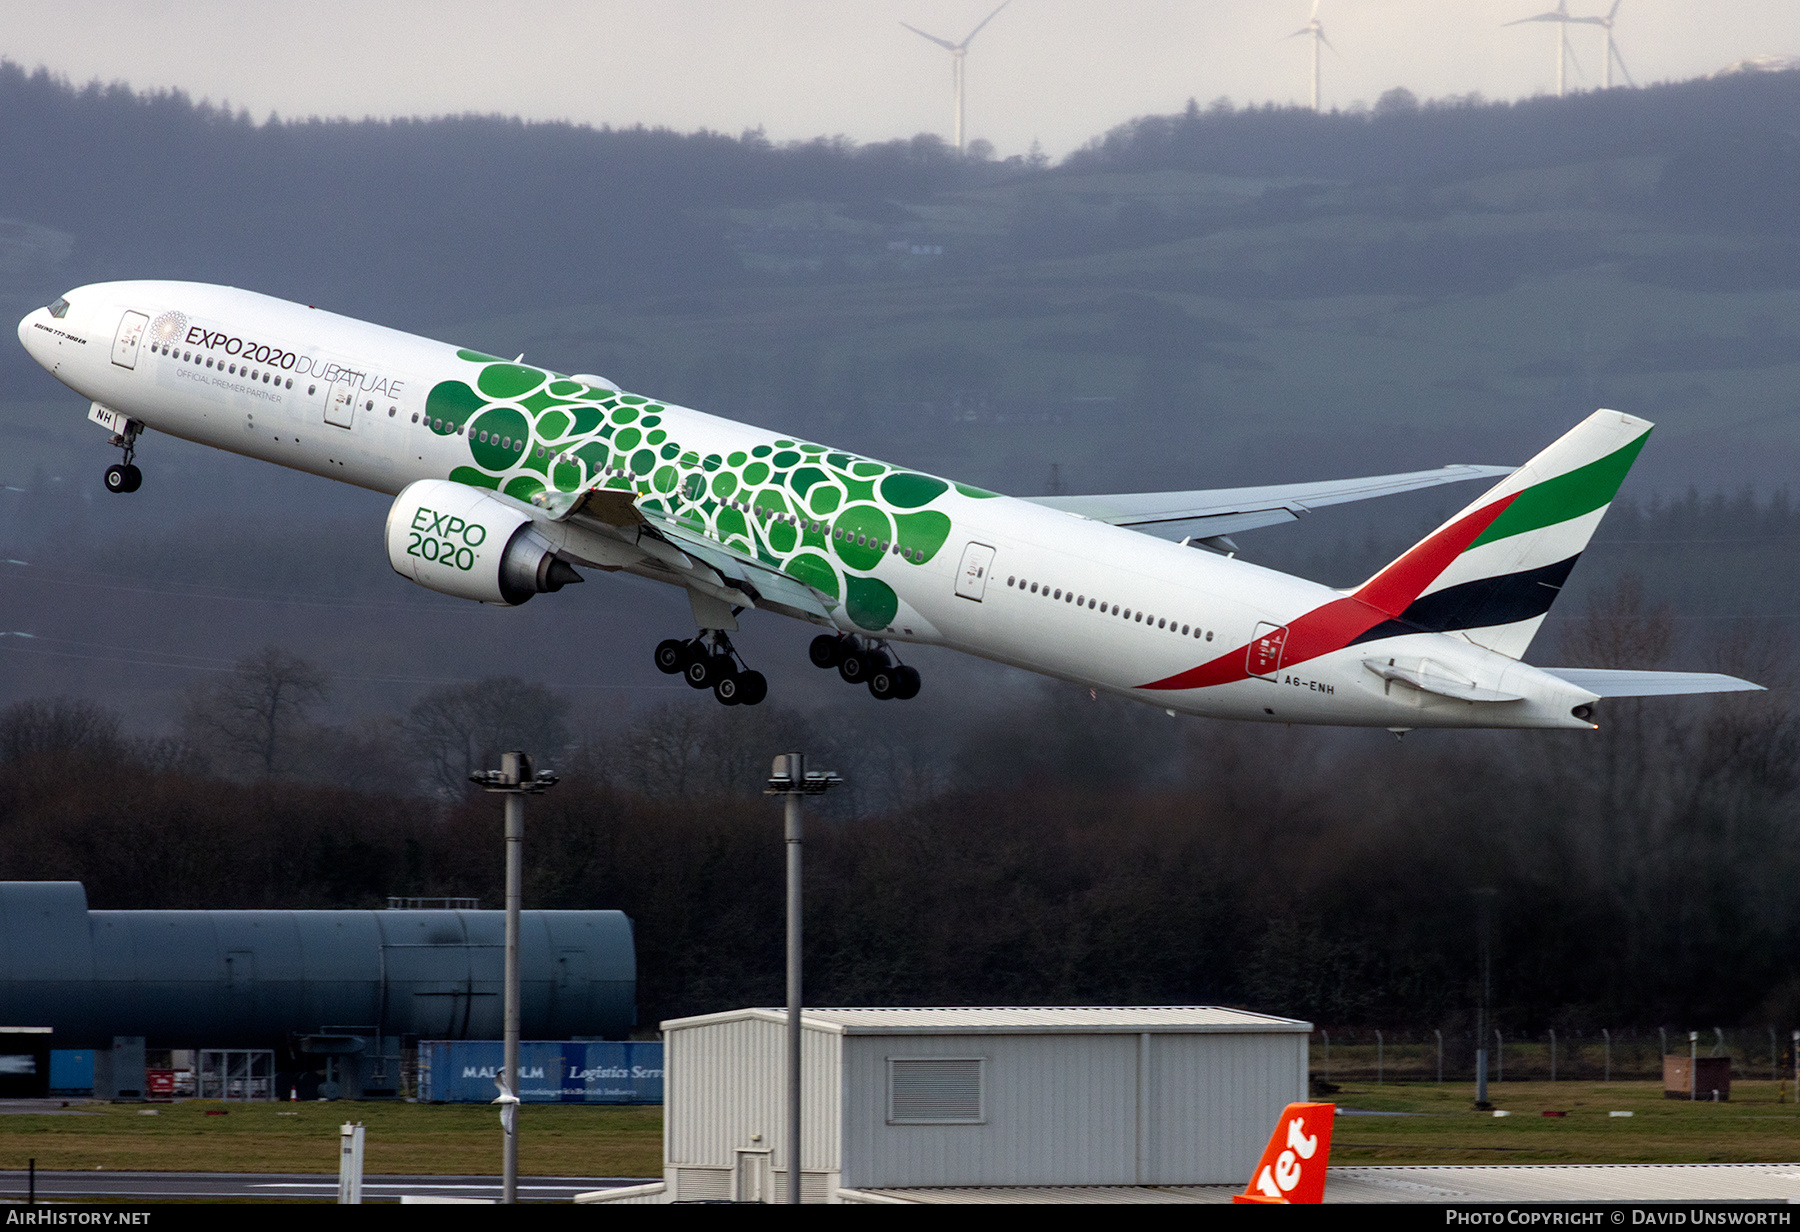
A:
(559, 1140)
(1752, 1128)
(447, 1139)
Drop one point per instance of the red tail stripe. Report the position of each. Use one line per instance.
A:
(1395, 587)
(1334, 625)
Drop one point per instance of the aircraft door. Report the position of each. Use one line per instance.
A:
(971, 578)
(1266, 649)
(340, 402)
(125, 342)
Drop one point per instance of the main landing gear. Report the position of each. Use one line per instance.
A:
(711, 662)
(863, 661)
(123, 476)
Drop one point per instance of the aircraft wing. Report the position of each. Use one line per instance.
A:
(762, 582)
(1610, 682)
(698, 562)
(1224, 511)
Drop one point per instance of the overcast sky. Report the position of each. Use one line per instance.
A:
(1059, 71)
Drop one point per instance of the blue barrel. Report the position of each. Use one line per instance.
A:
(260, 978)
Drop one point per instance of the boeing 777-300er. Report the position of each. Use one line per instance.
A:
(507, 478)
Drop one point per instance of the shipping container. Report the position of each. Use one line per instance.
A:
(463, 1072)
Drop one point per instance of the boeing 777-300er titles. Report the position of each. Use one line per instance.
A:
(507, 477)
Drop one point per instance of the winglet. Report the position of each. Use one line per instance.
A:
(1292, 1167)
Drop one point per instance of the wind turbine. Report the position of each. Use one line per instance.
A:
(958, 51)
(1612, 48)
(1559, 15)
(1316, 29)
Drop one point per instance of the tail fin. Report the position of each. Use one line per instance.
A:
(1292, 1167)
(1491, 572)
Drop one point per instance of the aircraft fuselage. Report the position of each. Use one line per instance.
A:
(905, 556)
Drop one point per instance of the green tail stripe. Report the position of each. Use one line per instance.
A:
(1582, 490)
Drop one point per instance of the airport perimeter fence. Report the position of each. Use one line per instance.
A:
(1364, 1055)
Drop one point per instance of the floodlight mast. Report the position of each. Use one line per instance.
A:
(790, 778)
(515, 779)
(958, 53)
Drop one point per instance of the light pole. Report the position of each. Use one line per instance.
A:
(789, 777)
(1693, 1065)
(1484, 898)
(515, 779)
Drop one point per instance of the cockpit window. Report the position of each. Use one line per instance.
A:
(60, 308)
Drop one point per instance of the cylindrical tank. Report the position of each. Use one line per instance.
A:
(261, 978)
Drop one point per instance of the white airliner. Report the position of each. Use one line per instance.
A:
(508, 478)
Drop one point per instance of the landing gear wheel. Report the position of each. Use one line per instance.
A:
(703, 670)
(884, 683)
(826, 651)
(123, 477)
(729, 689)
(906, 684)
(857, 667)
(673, 656)
(752, 688)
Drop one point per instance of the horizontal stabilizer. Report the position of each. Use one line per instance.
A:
(1608, 682)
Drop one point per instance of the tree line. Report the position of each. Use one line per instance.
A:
(1052, 848)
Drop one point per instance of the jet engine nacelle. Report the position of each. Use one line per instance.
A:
(467, 542)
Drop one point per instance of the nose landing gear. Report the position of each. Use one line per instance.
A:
(860, 661)
(710, 661)
(123, 476)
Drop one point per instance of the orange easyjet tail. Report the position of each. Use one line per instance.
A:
(1292, 1167)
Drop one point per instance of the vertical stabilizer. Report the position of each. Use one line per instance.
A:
(1491, 572)
(1292, 1167)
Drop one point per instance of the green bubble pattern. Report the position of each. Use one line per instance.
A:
(529, 430)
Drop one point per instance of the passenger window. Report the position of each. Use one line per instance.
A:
(311, 390)
(1058, 594)
(1209, 635)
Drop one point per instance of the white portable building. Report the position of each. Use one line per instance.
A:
(972, 1097)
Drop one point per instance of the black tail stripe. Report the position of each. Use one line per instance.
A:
(1502, 600)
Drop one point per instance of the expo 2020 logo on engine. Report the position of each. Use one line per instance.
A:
(169, 327)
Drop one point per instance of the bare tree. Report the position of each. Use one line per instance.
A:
(58, 726)
(255, 712)
(462, 728)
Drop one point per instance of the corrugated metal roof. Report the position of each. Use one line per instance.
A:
(1075, 1019)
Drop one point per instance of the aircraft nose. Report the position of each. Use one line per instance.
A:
(27, 334)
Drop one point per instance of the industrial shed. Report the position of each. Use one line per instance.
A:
(928, 1098)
